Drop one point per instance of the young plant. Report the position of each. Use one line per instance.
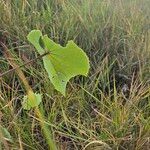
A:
(61, 63)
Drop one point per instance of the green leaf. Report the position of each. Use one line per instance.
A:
(35, 38)
(62, 63)
(31, 100)
(6, 134)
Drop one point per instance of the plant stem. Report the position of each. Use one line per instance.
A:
(47, 133)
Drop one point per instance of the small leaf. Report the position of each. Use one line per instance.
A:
(31, 100)
(62, 63)
(6, 134)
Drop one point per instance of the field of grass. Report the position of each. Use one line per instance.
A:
(109, 109)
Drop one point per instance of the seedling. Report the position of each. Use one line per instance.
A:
(61, 63)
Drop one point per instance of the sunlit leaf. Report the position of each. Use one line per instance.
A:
(62, 63)
(31, 100)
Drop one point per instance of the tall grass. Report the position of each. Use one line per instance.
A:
(112, 104)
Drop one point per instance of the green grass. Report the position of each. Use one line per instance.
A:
(115, 34)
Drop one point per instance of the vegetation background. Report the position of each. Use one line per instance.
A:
(111, 105)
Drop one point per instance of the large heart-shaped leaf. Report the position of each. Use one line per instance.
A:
(62, 63)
